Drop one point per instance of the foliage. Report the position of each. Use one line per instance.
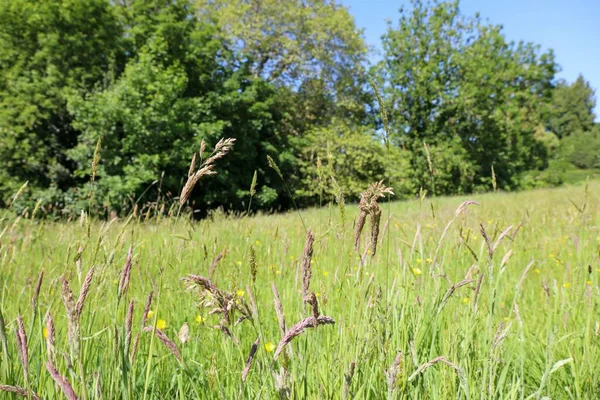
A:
(50, 49)
(582, 149)
(312, 47)
(352, 156)
(153, 118)
(451, 78)
(287, 79)
(572, 108)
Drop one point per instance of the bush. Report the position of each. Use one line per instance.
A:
(356, 159)
(582, 149)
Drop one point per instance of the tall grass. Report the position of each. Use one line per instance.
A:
(498, 300)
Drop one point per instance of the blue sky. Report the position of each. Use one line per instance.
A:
(570, 27)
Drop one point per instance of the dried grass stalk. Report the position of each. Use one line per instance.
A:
(19, 391)
(84, 292)
(488, 242)
(136, 343)
(220, 301)
(297, 329)
(375, 220)
(311, 299)
(184, 333)
(22, 346)
(62, 382)
(253, 265)
(461, 375)
(74, 310)
(206, 168)
(306, 261)
(50, 338)
(450, 291)
(192, 166)
(504, 234)
(36, 293)
(477, 291)
(524, 274)
(125, 274)
(463, 206)
(147, 308)
(369, 206)
(394, 373)
(279, 310)
(250, 358)
(360, 222)
(215, 261)
(169, 344)
(281, 383)
(501, 334)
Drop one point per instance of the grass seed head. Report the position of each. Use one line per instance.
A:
(306, 262)
(62, 382)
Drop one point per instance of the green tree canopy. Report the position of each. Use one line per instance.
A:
(449, 78)
(572, 108)
(50, 49)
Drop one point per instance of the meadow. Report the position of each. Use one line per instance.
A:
(493, 300)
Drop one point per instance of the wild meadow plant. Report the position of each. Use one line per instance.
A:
(494, 297)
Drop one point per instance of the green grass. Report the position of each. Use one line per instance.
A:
(532, 333)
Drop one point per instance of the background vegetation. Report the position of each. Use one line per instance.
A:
(514, 316)
(468, 110)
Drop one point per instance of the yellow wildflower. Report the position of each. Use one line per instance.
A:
(419, 261)
(150, 314)
(238, 262)
(269, 347)
(199, 319)
(537, 271)
(589, 283)
(325, 273)
(45, 332)
(278, 272)
(161, 324)
(417, 271)
(466, 300)
(240, 293)
(567, 285)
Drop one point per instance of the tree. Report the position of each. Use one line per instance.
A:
(50, 49)
(180, 88)
(309, 46)
(452, 79)
(572, 108)
(355, 158)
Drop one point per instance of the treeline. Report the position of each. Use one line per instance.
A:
(463, 109)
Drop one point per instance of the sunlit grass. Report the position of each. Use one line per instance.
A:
(530, 327)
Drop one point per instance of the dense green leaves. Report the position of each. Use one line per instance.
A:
(50, 49)
(572, 108)
(455, 81)
(288, 80)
